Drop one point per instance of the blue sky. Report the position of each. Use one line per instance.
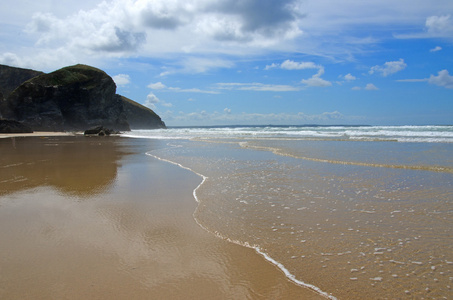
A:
(221, 62)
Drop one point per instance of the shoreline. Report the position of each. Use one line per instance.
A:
(291, 277)
(131, 233)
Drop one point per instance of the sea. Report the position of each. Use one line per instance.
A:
(352, 212)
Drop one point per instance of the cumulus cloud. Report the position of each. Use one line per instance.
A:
(293, 65)
(349, 77)
(435, 49)
(443, 79)
(247, 20)
(316, 80)
(11, 59)
(368, 87)
(435, 27)
(157, 86)
(152, 101)
(371, 87)
(439, 26)
(389, 67)
(124, 27)
(121, 79)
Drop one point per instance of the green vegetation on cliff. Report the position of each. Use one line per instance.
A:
(78, 74)
(11, 78)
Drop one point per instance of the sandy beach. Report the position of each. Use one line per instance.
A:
(38, 134)
(96, 218)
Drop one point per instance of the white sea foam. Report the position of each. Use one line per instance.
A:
(288, 274)
(426, 134)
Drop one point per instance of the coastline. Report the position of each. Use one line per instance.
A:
(257, 249)
(351, 230)
(130, 234)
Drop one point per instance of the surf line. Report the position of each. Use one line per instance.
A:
(257, 249)
(280, 152)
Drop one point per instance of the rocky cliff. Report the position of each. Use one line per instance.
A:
(73, 98)
(11, 78)
(139, 116)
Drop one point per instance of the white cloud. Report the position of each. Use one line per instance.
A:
(316, 80)
(81, 31)
(150, 28)
(349, 77)
(191, 90)
(160, 86)
(292, 65)
(11, 59)
(227, 110)
(368, 87)
(435, 49)
(151, 101)
(439, 26)
(371, 87)
(435, 27)
(121, 79)
(258, 87)
(121, 28)
(389, 67)
(272, 66)
(443, 79)
(157, 86)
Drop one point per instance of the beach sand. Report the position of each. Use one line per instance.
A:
(39, 134)
(96, 218)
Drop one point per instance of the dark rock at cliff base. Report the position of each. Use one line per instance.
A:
(11, 126)
(139, 116)
(100, 131)
(72, 98)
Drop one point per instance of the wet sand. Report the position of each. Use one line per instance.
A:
(359, 220)
(39, 134)
(96, 218)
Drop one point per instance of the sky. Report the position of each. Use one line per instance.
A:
(251, 62)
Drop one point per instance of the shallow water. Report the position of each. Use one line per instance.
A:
(96, 218)
(355, 219)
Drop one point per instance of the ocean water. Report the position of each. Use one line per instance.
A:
(360, 212)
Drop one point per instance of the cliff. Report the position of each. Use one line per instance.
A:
(11, 78)
(72, 98)
(139, 116)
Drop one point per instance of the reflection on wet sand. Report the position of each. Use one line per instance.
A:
(132, 237)
(74, 165)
